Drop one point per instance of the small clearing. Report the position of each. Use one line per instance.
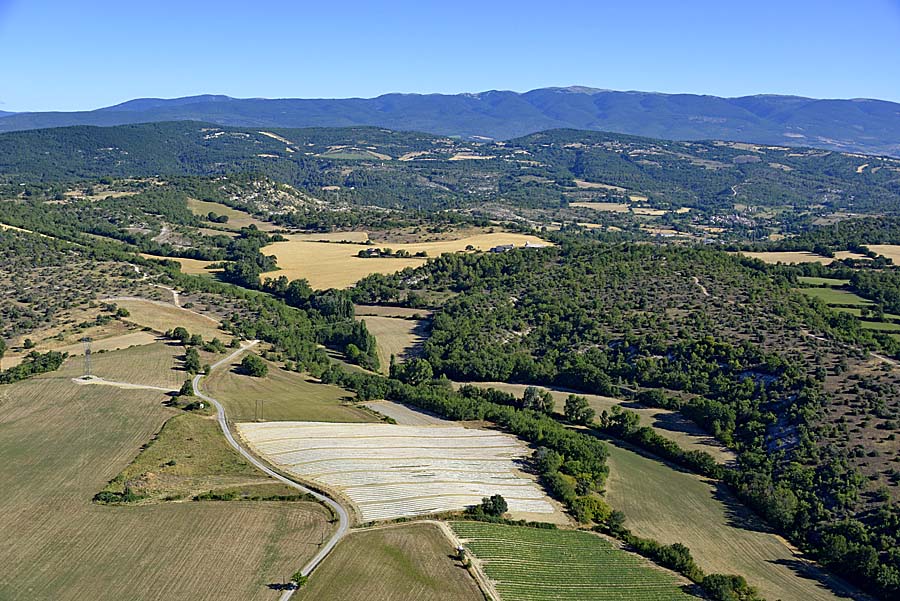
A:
(394, 336)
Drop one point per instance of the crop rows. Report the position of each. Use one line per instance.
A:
(530, 564)
(390, 471)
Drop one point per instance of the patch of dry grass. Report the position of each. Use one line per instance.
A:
(327, 265)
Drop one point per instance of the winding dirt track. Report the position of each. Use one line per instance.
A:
(343, 516)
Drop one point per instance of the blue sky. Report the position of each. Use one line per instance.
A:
(78, 55)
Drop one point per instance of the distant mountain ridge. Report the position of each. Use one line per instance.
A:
(859, 125)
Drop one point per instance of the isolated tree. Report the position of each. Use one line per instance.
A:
(494, 506)
(252, 365)
(578, 411)
(28, 343)
(299, 579)
(187, 389)
(192, 361)
(538, 400)
(181, 335)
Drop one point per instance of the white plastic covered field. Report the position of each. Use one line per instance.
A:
(390, 471)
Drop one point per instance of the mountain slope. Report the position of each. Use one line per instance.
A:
(866, 126)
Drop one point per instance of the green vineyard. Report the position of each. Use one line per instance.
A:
(530, 564)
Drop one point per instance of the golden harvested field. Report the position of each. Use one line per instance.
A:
(112, 343)
(328, 265)
(59, 444)
(160, 317)
(285, 396)
(800, 257)
(189, 266)
(672, 506)
(385, 311)
(889, 251)
(395, 336)
(410, 561)
(361, 237)
(609, 207)
(236, 219)
(157, 364)
(594, 185)
(667, 423)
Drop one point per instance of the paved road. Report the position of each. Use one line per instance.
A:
(343, 517)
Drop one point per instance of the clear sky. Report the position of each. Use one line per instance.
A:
(83, 54)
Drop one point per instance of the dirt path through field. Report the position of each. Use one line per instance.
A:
(84, 380)
(701, 286)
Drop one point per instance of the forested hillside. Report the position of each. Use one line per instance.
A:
(711, 335)
(868, 126)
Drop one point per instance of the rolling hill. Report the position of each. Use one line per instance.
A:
(859, 125)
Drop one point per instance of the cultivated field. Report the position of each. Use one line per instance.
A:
(406, 416)
(800, 257)
(386, 564)
(673, 506)
(835, 297)
(329, 265)
(284, 395)
(830, 282)
(157, 364)
(358, 237)
(889, 251)
(386, 311)
(236, 219)
(189, 266)
(392, 471)
(395, 336)
(607, 207)
(667, 423)
(531, 564)
(59, 444)
(110, 343)
(160, 317)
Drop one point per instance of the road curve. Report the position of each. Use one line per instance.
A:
(343, 517)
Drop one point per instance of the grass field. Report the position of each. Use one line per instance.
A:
(831, 282)
(327, 265)
(607, 207)
(110, 343)
(59, 444)
(159, 317)
(857, 312)
(880, 326)
(387, 564)
(236, 219)
(672, 506)
(667, 423)
(530, 564)
(188, 457)
(835, 297)
(285, 396)
(395, 336)
(889, 251)
(189, 266)
(157, 364)
(800, 256)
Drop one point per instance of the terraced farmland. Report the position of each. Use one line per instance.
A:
(390, 471)
(530, 564)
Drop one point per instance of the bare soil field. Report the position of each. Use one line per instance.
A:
(405, 416)
(669, 505)
(411, 561)
(609, 207)
(328, 265)
(667, 423)
(390, 471)
(281, 395)
(395, 336)
(59, 444)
